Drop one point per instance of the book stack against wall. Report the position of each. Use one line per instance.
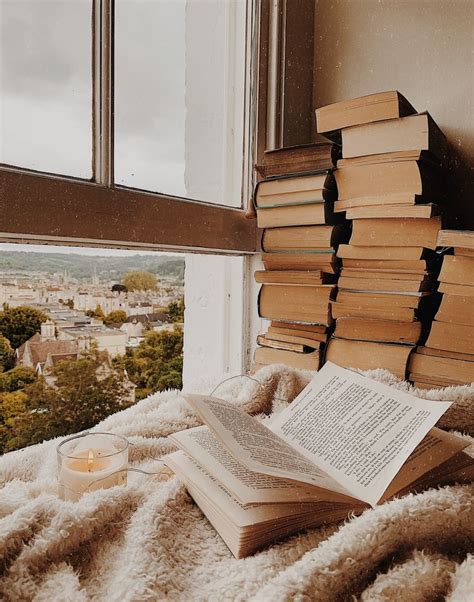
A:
(389, 185)
(301, 232)
(448, 356)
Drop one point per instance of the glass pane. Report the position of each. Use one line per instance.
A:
(46, 85)
(179, 97)
(70, 316)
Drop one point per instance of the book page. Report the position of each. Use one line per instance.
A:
(247, 486)
(357, 430)
(256, 446)
(436, 448)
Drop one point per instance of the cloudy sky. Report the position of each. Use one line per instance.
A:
(45, 82)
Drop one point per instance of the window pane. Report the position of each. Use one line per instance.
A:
(179, 97)
(46, 85)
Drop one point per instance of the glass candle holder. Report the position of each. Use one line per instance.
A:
(91, 461)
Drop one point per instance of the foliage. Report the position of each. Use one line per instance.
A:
(140, 281)
(175, 311)
(157, 363)
(18, 324)
(118, 316)
(7, 355)
(16, 378)
(83, 394)
(97, 313)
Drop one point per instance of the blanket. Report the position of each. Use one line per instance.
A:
(149, 541)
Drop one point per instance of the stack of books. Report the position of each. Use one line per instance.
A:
(448, 356)
(301, 232)
(389, 182)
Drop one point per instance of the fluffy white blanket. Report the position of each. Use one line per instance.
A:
(149, 541)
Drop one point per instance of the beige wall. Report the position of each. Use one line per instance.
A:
(423, 48)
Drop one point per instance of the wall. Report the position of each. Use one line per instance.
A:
(423, 48)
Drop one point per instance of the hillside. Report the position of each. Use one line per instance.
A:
(82, 266)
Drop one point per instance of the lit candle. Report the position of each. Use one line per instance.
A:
(91, 461)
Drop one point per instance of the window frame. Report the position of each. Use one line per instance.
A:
(47, 208)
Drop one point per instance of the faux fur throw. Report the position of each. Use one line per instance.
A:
(149, 541)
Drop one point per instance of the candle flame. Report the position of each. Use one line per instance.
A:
(90, 460)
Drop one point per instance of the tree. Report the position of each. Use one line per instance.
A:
(7, 355)
(118, 316)
(83, 394)
(97, 313)
(140, 281)
(175, 311)
(157, 363)
(18, 324)
(16, 378)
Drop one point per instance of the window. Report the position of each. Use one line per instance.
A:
(46, 86)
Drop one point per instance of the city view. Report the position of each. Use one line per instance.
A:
(84, 333)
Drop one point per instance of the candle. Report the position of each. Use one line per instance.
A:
(91, 461)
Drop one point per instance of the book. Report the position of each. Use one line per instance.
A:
(297, 190)
(412, 155)
(315, 328)
(290, 335)
(384, 284)
(395, 211)
(369, 355)
(384, 274)
(297, 303)
(445, 369)
(463, 251)
(457, 270)
(302, 361)
(398, 199)
(289, 345)
(345, 443)
(385, 232)
(456, 238)
(413, 266)
(407, 178)
(385, 312)
(302, 158)
(469, 357)
(383, 331)
(392, 253)
(380, 299)
(365, 109)
(325, 261)
(294, 277)
(414, 132)
(298, 215)
(456, 308)
(451, 337)
(465, 290)
(304, 238)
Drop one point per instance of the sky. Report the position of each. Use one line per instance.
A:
(46, 96)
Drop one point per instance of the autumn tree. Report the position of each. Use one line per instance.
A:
(18, 324)
(97, 313)
(118, 316)
(175, 311)
(140, 281)
(7, 355)
(16, 378)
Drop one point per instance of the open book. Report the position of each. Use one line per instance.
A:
(345, 443)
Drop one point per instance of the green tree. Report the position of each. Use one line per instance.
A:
(83, 394)
(117, 316)
(16, 378)
(140, 281)
(18, 324)
(175, 311)
(7, 355)
(157, 363)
